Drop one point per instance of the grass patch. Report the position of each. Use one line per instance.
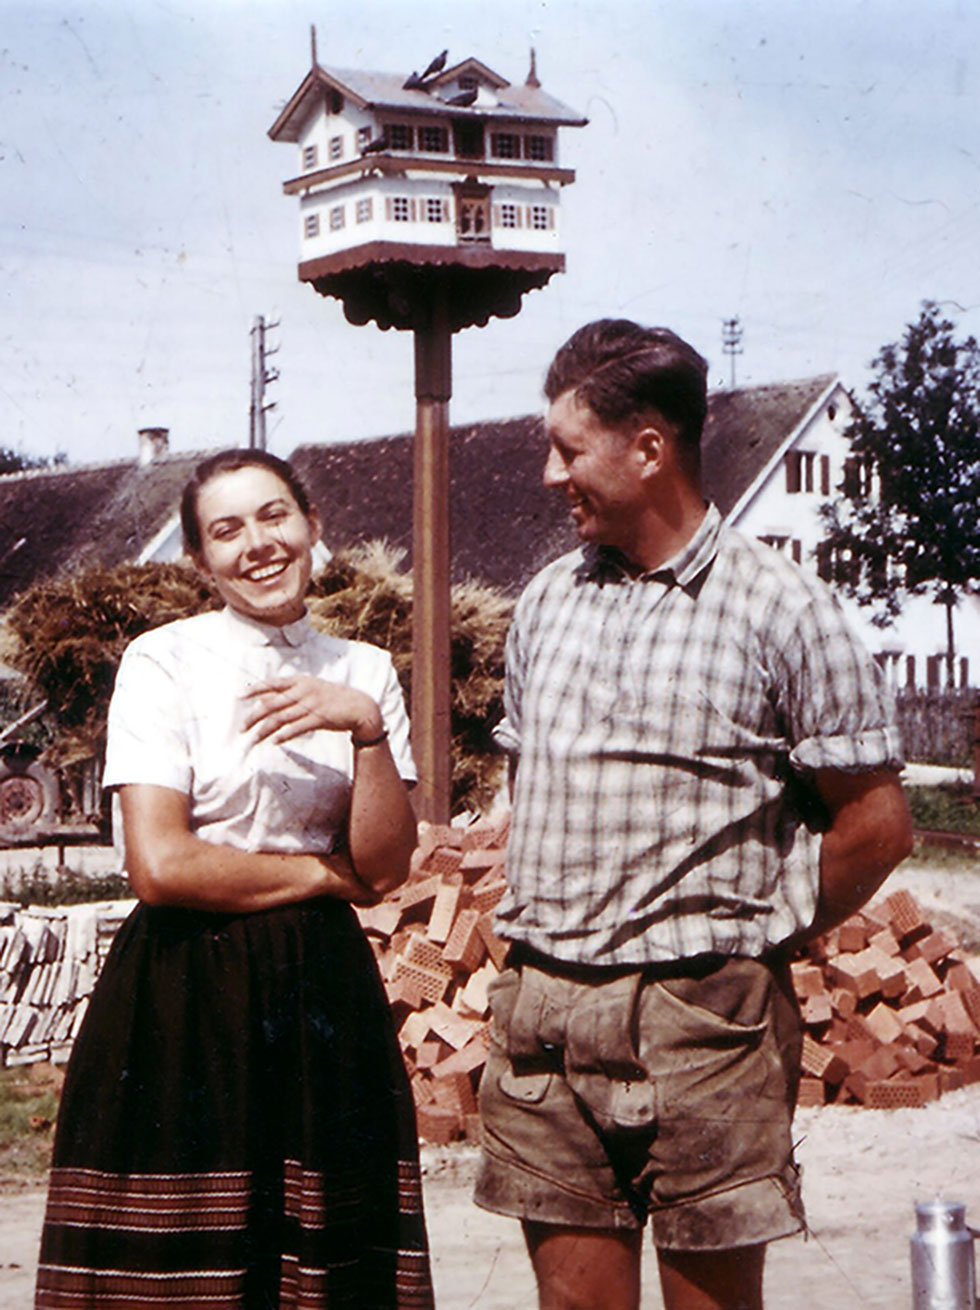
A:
(38, 886)
(948, 807)
(28, 1106)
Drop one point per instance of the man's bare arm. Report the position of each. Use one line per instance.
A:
(870, 832)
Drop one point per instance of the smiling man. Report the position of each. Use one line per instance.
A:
(706, 774)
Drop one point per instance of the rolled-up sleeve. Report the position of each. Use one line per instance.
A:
(839, 712)
(146, 741)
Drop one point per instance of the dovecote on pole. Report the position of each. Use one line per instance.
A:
(428, 202)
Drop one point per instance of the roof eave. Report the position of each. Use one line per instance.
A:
(752, 490)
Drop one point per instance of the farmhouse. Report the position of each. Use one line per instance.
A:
(772, 455)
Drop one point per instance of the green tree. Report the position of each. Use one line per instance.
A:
(907, 519)
(14, 461)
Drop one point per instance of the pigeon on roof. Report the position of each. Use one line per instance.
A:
(437, 65)
(463, 98)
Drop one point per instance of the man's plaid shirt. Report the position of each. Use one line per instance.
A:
(666, 726)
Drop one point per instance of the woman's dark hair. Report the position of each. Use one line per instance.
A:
(228, 461)
(622, 370)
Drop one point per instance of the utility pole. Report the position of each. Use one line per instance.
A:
(731, 341)
(261, 377)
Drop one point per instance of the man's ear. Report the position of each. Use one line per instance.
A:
(651, 445)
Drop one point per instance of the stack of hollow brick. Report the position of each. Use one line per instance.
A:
(437, 952)
(891, 1008)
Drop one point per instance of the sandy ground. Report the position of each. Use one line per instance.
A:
(863, 1171)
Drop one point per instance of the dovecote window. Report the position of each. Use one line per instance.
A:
(540, 148)
(509, 215)
(505, 145)
(309, 156)
(434, 139)
(336, 218)
(541, 218)
(311, 225)
(401, 136)
(336, 147)
(435, 210)
(335, 102)
(363, 137)
(468, 82)
(400, 209)
(365, 209)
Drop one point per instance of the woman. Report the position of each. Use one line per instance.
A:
(237, 1128)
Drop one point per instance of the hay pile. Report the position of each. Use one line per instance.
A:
(67, 638)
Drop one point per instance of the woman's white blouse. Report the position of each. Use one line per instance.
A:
(177, 716)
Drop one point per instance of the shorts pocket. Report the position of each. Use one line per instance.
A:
(732, 1002)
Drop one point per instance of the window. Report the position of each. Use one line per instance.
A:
(336, 218)
(541, 217)
(363, 137)
(309, 156)
(541, 148)
(857, 476)
(801, 469)
(311, 225)
(508, 215)
(467, 82)
(434, 139)
(433, 210)
(336, 147)
(335, 102)
(400, 136)
(365, 209)
(910, 670)
(505, 145)
(400, 209)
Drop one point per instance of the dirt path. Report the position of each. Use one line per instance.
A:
(863, 1171)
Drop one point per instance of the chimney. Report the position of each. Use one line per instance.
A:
(154, 444)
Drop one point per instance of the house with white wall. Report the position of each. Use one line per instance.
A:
(793, 456)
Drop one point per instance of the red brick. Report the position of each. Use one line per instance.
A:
(892, 1095)
(904, 914)
(811, 1092)
(884, 1023)
(852, 935)
(444, 909)
(497, 948)
(465, 947)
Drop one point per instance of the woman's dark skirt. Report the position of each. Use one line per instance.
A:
(236, 1126)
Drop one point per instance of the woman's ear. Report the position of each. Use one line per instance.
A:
(316, 525)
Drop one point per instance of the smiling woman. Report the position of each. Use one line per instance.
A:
(237, 1126)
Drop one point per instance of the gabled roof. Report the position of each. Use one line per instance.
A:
(747, 428)
(377, 90)
(55, 520)
(504, 524)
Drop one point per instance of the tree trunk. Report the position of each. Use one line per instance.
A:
(949, 602)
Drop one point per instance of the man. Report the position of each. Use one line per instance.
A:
(706, 774)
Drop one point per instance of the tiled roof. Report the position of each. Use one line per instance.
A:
(56, 520)
(504, 524)
(745, 429)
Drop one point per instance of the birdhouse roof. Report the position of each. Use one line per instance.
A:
(499, 99)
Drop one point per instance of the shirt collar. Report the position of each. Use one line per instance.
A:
(255, 633)
(607, 564)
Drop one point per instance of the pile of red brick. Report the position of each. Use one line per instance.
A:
(892, 1010)
(437, 952)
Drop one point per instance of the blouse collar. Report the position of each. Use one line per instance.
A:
(255, 633)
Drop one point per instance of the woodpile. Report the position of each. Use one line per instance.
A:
(49, 960)
(890, 1003)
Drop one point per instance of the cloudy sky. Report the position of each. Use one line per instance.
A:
(810, 168)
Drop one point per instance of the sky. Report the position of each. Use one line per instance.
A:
(812, 169)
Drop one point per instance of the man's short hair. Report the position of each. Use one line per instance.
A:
(622, 370)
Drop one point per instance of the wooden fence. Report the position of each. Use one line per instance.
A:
(939, 727)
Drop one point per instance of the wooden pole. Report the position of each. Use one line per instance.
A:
(431, 725)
